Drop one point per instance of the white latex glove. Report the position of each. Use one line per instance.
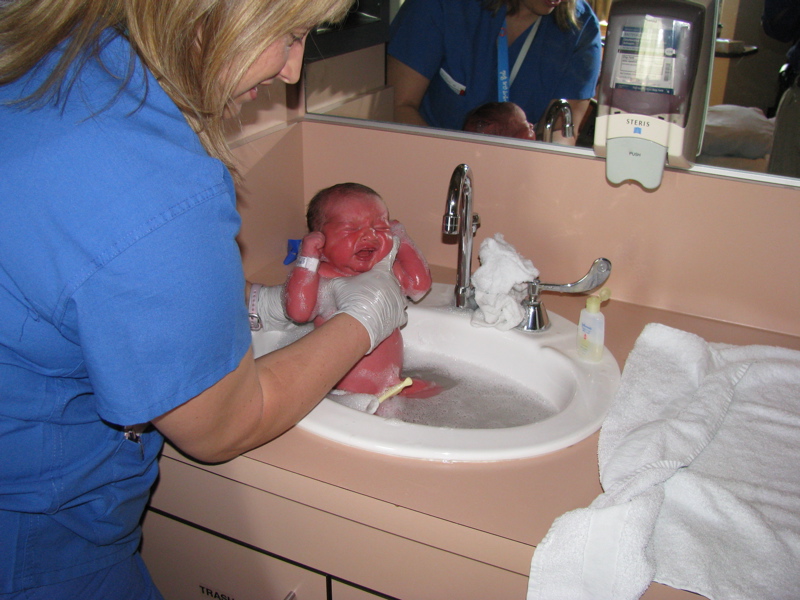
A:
(374, 298)
(270, 309)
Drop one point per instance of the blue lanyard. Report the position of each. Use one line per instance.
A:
(504, 78)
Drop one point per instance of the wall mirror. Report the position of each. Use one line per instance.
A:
(746, 78)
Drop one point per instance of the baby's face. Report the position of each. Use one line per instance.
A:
(520, 127)
(357, 233)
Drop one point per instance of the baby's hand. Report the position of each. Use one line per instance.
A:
(312, 244)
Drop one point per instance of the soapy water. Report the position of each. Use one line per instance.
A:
(471, 398)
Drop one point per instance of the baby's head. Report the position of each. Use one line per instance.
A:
(500, 118)
(355, 222)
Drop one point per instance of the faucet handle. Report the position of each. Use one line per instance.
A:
(597, 276)
(536, 319)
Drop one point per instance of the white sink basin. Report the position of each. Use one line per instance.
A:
(516, 394)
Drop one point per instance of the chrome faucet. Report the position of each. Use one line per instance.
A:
(459, 220)
(536, 318)
(559, 107)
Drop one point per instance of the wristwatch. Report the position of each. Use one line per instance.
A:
(252, 308)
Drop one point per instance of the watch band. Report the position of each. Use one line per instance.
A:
(252, 308)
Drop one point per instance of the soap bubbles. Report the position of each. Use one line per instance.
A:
(472, 397)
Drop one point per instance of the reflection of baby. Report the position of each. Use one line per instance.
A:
(350, 232)
(500, 118)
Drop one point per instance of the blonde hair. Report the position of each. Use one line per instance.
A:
(564, 13)
(198, 50)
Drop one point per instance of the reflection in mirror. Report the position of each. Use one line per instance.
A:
(349, 80)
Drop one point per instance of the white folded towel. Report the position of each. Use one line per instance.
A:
(500, 284)
(698, 459)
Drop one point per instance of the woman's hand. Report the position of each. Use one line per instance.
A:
(270, 308)
(373, 298)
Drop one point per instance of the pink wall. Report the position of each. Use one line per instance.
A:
(270, 199)
(699, 245)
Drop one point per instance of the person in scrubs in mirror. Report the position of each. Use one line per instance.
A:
(123, 304)
(447, 57)
(781, 20)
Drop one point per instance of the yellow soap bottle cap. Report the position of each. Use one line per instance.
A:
(593, 302)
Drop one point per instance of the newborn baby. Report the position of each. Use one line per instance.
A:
(350, 233)
(500, 118)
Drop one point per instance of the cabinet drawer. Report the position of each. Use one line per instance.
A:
(343, 591)
(189, 564)
(345, 549)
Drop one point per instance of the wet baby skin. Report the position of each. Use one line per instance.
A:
(356, 233)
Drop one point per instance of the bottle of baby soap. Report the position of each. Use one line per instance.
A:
(592, 328)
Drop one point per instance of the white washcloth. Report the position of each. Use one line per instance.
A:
(364, 402)
(699, 462)
(500, 284)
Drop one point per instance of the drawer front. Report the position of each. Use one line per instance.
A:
(187, 563)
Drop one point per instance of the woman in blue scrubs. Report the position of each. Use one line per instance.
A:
(447, 57)
(123, 311)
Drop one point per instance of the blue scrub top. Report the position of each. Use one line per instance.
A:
(460, 37)
(121, 297)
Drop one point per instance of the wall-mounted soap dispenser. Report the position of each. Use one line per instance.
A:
(654, 87)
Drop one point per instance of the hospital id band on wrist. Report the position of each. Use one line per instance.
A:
(252, 308)
(307, 262)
